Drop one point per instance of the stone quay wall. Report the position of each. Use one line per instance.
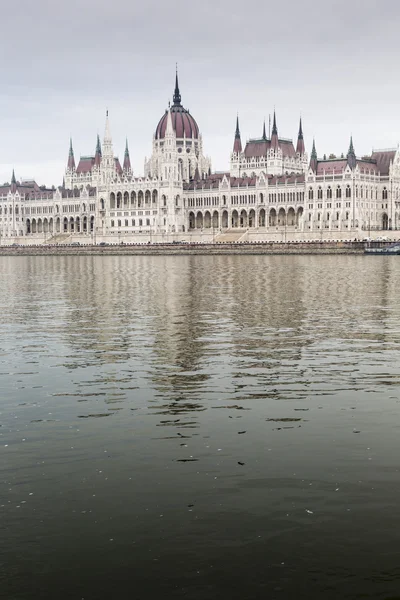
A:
(355, 247)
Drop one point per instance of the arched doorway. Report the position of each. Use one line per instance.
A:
(282, 217)
(261, 218)
(225, 222)
(385, 222)
(272, 217)
(215, 219)
(299, 215)
(199, 221)
(252, 218)
(291, 217)
(207, 220)
(235, 219)
(192, 221)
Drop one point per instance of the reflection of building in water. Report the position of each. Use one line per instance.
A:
(271, 187)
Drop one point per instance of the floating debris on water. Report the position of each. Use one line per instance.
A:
(284, 420)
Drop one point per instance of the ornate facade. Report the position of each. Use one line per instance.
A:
(272, 187)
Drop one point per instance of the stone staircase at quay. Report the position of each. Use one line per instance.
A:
(58, 238)
(231, 236)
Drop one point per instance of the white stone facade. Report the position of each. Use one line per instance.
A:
(271, 188)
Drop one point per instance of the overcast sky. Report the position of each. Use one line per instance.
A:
(63, 63)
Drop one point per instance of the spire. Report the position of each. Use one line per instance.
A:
(300, 141)
(264, 134)
(97, 156)
(169, 130)
(274, 136)
(13, 183)
(71, 159)
(314, 158)
(237, 144)
(351, 155)
(274, 127)
(107, 133)
(177, 95)
(127, 160)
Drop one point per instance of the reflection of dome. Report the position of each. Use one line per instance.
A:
(182, 122)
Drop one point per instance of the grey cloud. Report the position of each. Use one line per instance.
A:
(335, 63)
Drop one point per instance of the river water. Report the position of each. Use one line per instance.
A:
(199, 427)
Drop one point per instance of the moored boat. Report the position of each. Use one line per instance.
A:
(392, 249)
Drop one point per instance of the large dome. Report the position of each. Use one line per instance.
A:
(182, 122)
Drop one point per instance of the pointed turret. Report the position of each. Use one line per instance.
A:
(71, 159)
(351, 155)
(127, 160)
(97, 156)
(107, 133)
(300, 149)
(264, 134)
(177, 95)
(314, 158)
(274, 136)
(13, 183)
(237, 144)
(169, 130)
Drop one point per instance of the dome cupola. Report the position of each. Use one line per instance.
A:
(182, 121)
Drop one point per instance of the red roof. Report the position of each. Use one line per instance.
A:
(259, 148)
(118, 166)
(212, 181)
(383, 160)
(237, 146)
(331, 167)
(85, 164)
(182, 122)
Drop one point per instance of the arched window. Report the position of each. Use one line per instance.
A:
(384, 194)
(348, 192)
(328, 216)
(112, 223)
(311, 194)
(337, 216)
(329, 192)
(119, 223)
(338, 192)
(347, 216)
(319, 193)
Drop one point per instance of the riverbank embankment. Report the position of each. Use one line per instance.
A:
(356, 247)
